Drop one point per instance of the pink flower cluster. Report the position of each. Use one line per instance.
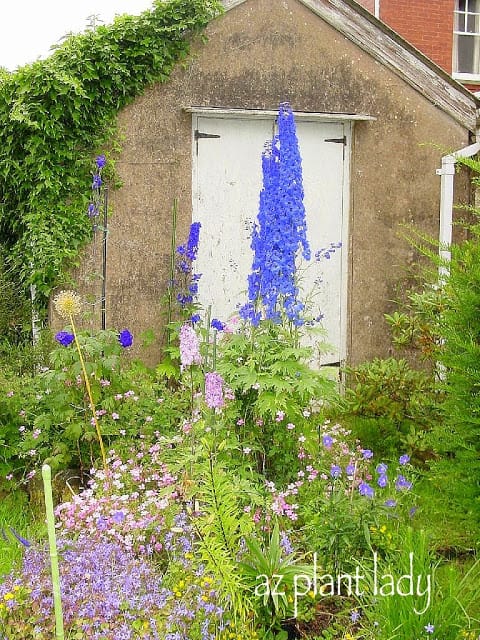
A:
(214, 390)
(189, 347)
(124, 504)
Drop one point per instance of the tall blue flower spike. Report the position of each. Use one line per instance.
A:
(281, 230)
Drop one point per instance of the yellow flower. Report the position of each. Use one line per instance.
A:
(311, 594)
(383, 528)
(8, 596)
(67, 304)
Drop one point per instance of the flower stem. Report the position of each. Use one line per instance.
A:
(89, 392)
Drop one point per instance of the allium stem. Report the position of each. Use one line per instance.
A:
(52, 541)
(89, 392)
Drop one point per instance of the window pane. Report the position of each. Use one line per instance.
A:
(472, 23)
(467, 54)
(459, 22)
(461, 5)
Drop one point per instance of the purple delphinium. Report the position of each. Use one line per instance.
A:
(101, 161)
(125, 338)
(214, 390)
(186, 282)
(327, 252)
(95, 205)
(367, 454)
(403, 460)
(92, 210)
(97, 181)
(217, 324)
(64, 338)
(280, 231)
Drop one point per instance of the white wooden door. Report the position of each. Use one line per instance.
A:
(227, 179)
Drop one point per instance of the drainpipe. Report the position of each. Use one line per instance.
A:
(447, 173)
(377, 9)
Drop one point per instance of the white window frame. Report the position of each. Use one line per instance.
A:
(463, 16)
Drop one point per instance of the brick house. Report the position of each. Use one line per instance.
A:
(446, 31)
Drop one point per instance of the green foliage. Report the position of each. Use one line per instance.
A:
(443, 322)
(389, 405)
(457, 440)
(15, 312)
(15, 513)
(271, 575)
(397, 615)
(340, 523)
(415, 326)
(274, 385)
(46, 417)
(54, 115)
(220, 531)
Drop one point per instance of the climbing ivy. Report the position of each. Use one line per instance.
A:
(55, 114)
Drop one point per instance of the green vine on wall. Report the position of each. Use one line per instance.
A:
(55, 114)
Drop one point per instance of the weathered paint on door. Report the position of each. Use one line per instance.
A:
(227, 179)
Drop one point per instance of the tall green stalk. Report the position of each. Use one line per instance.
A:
(52, 541)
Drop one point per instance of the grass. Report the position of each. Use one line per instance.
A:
(15, 513)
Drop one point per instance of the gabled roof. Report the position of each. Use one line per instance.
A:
(385, 45)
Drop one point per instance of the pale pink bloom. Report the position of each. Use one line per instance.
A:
(189, 347)
(214, 390)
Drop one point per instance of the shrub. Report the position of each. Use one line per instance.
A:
(389, 405)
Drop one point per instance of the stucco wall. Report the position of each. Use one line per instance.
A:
(257, 55)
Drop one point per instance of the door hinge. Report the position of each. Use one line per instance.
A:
(199, 134)
(337, 140)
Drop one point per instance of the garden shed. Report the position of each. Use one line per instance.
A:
(374, 119)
